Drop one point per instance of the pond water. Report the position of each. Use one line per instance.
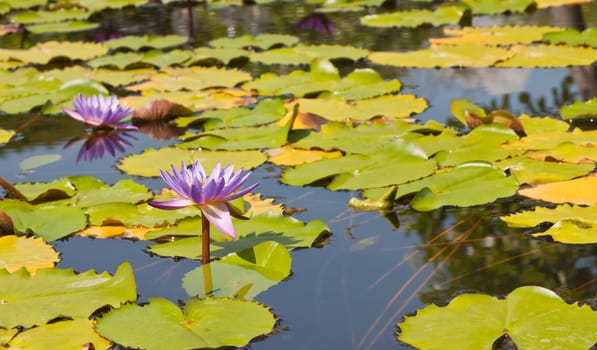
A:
(351, 291)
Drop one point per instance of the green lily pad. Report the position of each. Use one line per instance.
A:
(60, 335)
(42, 53)
(125, 191)
(47, 191)
(151, 160)
(241, 138)
(580, 110)
(338, 109)
(465, 185)
(129, 215)
(52, 293)
(302, 54)
(24, 4)
(362, 139)
(533, 172)
(263, 41)
(361, 83)
(549, 56)
(404, 160)
(288, 231)
(206, 323)
(193, 78)
(491, 7)
(444, 56)
(494, 35)
(533, 317)
(35, 162)
(136, 43)
(571, 224)
(204, 55)
(28, 17)
(99, 5)
(62, 27)
(448, 14)
(265, 112)
(573, 37)
(49, 222)
(241, 275)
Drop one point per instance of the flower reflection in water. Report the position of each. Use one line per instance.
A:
(100, 142)
(318, 22)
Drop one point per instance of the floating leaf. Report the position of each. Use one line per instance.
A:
(533, 172)
(205, 55)
(196, 100)
(551, 3)
(124, 191)
(98, 5)
(578, 191)
(490, 7)
(288, 231)
(531, 316)
(31, 253)
(549, 56)
(443, 56)
(53, 293)
(129, 215)
(207, 323)
(48, 222)
(303, 54)
(71, 334)
(27, 17)
(35, 162)
(264, 41)
(448, 14)
(241, 275)
(580, 110)
(361, 83)
(362, 139)
(265, 112)
(549, 140)
(243, 138)
(115, 231)
(152, 41)
(567, 152)
(465, 185)
(193, 78)
(6, 135)
(494, 35)
(62, 27)
(573, 37)
(287, 155)
(151, 160)
(390, 106)
(44, 52)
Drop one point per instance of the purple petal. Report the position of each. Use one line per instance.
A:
(174, 203)
(219, 216)
(240, 193)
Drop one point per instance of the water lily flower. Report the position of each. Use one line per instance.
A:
(208, 193)
(99, 111)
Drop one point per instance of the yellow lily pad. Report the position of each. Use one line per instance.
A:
(31, 253)
(495, 35)
(288, 155)
(549, 56)
(578, 191)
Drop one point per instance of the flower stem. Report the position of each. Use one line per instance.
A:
(204, 240)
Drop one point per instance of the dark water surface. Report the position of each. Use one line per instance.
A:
(349, 293)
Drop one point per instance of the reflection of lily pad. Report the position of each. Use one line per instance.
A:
(531, 316)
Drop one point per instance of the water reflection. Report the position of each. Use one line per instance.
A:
(100, 142)
(316, 21)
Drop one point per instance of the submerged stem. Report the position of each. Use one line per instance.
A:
(204, 240)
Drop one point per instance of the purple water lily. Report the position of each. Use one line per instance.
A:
(99, 111)
(209, 193)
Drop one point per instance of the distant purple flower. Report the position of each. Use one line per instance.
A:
(209, 193)
(99, 111)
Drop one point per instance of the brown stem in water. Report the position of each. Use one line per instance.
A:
(204, 240)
